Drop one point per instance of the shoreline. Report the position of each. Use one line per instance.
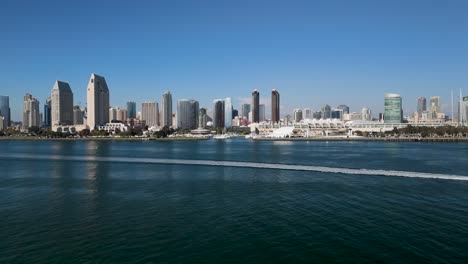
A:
(100, 139)
(363, 139)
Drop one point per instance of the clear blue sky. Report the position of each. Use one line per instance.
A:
(313, 52)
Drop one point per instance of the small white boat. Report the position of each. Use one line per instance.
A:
(224, 136)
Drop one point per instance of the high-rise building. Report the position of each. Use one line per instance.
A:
(218, 113)
(435, 106)
(261, 113)
(307, 113)
(255, 106)
(275, 106)
(48, 113)
(345, 108)
(393, 111)
(235, 113)
(227, 112)
(366, 114)
(337, 114)
(117, 114)
(245, 110)
(5, 110)
(326, 112)
(98, 102)
(31, 114)
(61, 104)
(463, 110)
(297, 115)
(131, 110)
(317, 115)
(202, 118)
(187, 114)
(166, 108)
(422, 105)
(77, 115)
(150, 113)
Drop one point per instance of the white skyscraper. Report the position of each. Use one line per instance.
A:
(150, 113)
(227, 112)
(31, 115)
(61, 104)
(98, 102)
(166, 109)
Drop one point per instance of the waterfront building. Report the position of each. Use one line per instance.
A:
(337, 114)
(393, 108)
(317, 115)
(366, 114)
(97, 102)
(275, 106)
(187, 114)
(166, 109)
(255, 106)
(353, 116)
(434, 106)
(227, 112)
(77, 115)
(48, 113)
(422, 105)
(31, 114)
(218, 113)
(307, 113)
(150, 113)
(345, 108)
(326, 112)
(202, 118)
(297, 115)
(5, 110)
(131, 110)
(261, 113)
(61, 104)
(245, 110)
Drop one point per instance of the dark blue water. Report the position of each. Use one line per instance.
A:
(60, 211)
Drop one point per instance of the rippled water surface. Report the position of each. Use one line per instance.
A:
(180, 202)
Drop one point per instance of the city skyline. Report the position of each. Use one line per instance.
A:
(317, 53)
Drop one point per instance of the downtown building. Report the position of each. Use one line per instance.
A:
(275, 106)
(131, 110)
(166, 109)
(255, 107)
(222, 113)
(393, 108)
(422, 105)
(118, 115)
(78, 115)
(31, 114)
(97, 102)
(61, 104)
(187, 114)
(150, 113)
(4, 112)
(434, 106)
(245, 110)
(47, 115)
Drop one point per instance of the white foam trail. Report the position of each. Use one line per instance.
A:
(242, 164)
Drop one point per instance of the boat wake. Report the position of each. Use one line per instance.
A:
(241, 164)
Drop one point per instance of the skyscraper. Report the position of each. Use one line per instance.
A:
(187, 114)
(275, 106)
(227, 112)
(166, 108)
(366, 114)
(255, 106)
(245, 110)
(464, 110)
(219, 113)
(202, 118)
(61, 104)
(297, 115)
(48, 113)
(435, 106)
(345, 108)
(393, 111)
(131, 110)
(307, 113)
(422, 105)
(326, 112)
(31, 114)
(150, 113)
(77, 115)
(5, 110)
(98, 101)
(261, 113)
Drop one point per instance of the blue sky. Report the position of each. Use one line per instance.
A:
(314, 52)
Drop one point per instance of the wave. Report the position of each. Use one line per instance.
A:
(242, 164)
